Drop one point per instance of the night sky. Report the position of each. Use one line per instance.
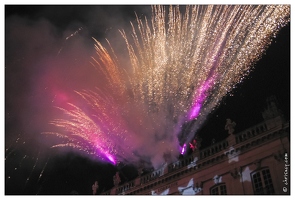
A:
(45, 47)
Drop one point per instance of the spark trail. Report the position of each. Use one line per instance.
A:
(41, 173)
(181, 66)
(32, 170)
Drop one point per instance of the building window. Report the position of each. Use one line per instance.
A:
(218, 189)
(262, 182)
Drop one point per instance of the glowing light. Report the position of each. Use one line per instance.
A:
(199, 99)
(181, 68)
(183, 149)
(111, 159)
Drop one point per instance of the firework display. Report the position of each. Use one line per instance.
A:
(180, 66)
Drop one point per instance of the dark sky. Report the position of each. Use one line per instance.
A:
(40, 62)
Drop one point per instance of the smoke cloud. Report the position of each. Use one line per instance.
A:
(48, 58)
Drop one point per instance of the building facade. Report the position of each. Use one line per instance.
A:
(254, 161)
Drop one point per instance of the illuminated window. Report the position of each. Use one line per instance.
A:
(262, 182)
(218, 189)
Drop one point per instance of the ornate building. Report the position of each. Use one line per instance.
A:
(254, 161)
